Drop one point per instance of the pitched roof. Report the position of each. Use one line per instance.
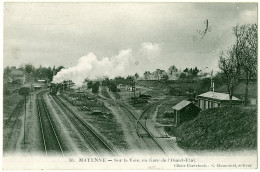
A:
(181, 105)
(218, 96)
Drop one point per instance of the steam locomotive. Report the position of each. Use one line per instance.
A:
(54, 88)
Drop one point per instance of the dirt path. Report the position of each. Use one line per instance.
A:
(136, 144)
(157, 130)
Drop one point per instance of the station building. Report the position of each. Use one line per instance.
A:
(213, 99)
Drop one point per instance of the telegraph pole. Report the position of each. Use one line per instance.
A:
(24, 91)
(24, 116)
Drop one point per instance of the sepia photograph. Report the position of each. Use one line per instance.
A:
(130, 85)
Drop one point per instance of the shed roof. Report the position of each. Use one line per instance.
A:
(181, 105)
(217, 96)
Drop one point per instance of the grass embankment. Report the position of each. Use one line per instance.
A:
(9, 103)
(222, 128)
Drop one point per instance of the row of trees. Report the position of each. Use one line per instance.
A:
(34, 72)
(240, 60)
(189, 73)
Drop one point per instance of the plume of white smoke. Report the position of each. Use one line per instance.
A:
(123, 64)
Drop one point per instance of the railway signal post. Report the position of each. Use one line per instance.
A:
(24, 91)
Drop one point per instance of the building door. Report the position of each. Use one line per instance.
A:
(210, 104)
(206, 104)
(201, 104)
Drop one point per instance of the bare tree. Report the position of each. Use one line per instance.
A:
(249, 55)
(231, 70)
(240, 61)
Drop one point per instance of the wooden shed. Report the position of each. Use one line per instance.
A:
(185, 111)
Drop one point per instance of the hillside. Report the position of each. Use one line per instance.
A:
(240, 91)
(220, 129)
(180, 86)
(199, 86)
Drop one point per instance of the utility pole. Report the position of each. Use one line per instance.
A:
(24, 91)
(24, 116)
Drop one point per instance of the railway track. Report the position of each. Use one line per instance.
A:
(140, 126)
(95, 141)
(51, 141)
(143, 131)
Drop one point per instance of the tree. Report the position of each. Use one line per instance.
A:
(59, 68)
(183, 76)
(89, 84)
(165, 77)
(186, 70)
(240, 59)
(7, 70)
(248, 59)
(147, 75)
(49, 73)
(172, 70)
(29, 69)
(95, 87)
(195, 72)
(231, 70)
(113, 87)
(129, 79)
(119, 80)
(136, 76)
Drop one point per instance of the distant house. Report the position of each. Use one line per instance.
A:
(185, 111)
(214, 99)
(17, 75)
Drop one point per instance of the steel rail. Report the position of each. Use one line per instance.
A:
(41, 103)
(144, 127)
(78, 128)
(85, 125)
(41, 127)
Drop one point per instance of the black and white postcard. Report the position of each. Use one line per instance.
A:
(130, 85)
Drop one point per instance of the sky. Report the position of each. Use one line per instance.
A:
(121, 38)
